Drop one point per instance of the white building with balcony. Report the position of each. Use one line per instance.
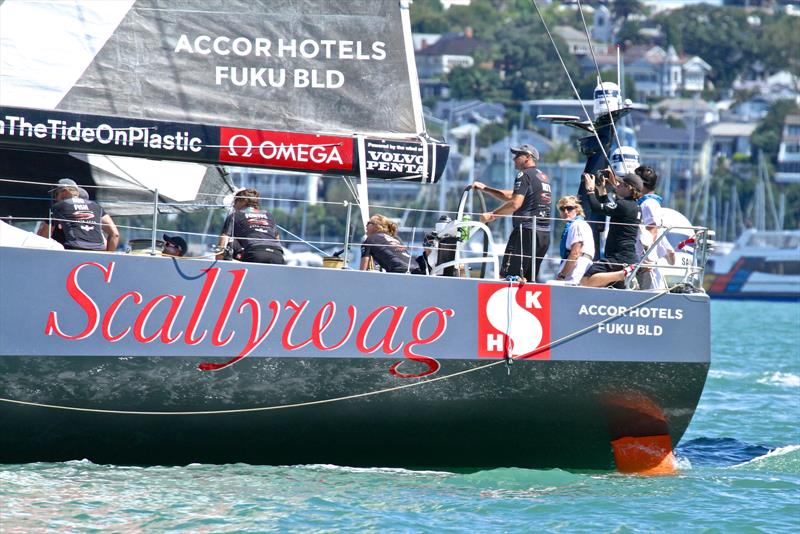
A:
(662, 73)
(788, 170)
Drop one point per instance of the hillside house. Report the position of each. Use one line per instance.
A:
(788, 170)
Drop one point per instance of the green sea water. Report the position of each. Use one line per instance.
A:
(739, 472)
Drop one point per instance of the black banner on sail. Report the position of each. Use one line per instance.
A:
(319, 154)
(59, 131)
(402, 160)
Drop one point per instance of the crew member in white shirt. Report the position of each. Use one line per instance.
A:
(650, 204)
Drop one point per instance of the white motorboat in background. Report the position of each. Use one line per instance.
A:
(761, 264)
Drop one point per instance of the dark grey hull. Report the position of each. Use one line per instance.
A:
(541, 414)
(124, 333)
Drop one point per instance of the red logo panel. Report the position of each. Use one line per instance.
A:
(321, 153)
(513, 317)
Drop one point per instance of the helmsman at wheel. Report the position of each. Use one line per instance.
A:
(531, 197)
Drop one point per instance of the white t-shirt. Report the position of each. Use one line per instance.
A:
(651, 216)
(579, 232)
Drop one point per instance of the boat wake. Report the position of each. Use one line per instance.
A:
(730, 452)
(780, 460)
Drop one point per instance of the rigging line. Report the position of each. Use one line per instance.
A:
(293, 235)
(86, 186)
(345, 397)
(599, 77)
(574, 89)
(348, 181)
(127, 174)
(252, 146)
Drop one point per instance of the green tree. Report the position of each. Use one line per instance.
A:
(491, 133)
(622, 9)
(767, 136)
(529, 65)
(780, 42)
(473, 82)
(629, 33)
(480, 15)
(427, 16)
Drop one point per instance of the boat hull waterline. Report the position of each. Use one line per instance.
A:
(138, 360)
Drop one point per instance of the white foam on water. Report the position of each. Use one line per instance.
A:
(386, 470)
(79, 462)
(682, 463)
(780, 451)
(716, 373)
(780, 379)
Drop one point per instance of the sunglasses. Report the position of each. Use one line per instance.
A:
(371, 222)
(568, 208)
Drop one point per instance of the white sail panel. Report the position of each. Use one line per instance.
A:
(290, 65)
(46, 46)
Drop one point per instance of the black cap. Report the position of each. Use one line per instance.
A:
(177, 241)
(62, 183)
(526, 149)
(634, 181)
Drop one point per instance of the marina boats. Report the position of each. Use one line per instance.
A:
(140, 359)
(761, 264)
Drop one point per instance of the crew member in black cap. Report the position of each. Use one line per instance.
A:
(620, 252)
(531, 197)
(79, 223)
(174, 246)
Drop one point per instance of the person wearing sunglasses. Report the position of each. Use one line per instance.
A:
(530, 199)
(174, 246)
(383, 247)
(577, 242)
(620, 251)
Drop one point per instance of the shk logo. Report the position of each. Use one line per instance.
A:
(515, 316)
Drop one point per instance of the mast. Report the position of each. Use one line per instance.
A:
(416, 97)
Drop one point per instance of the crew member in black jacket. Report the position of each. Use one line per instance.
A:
(529, 201)
(620, 251)
(79, 223)
(253, 229)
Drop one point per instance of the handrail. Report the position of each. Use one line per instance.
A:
(213, 201)
(701, 246)
(489, 258)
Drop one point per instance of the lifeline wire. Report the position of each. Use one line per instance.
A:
(346, 397)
